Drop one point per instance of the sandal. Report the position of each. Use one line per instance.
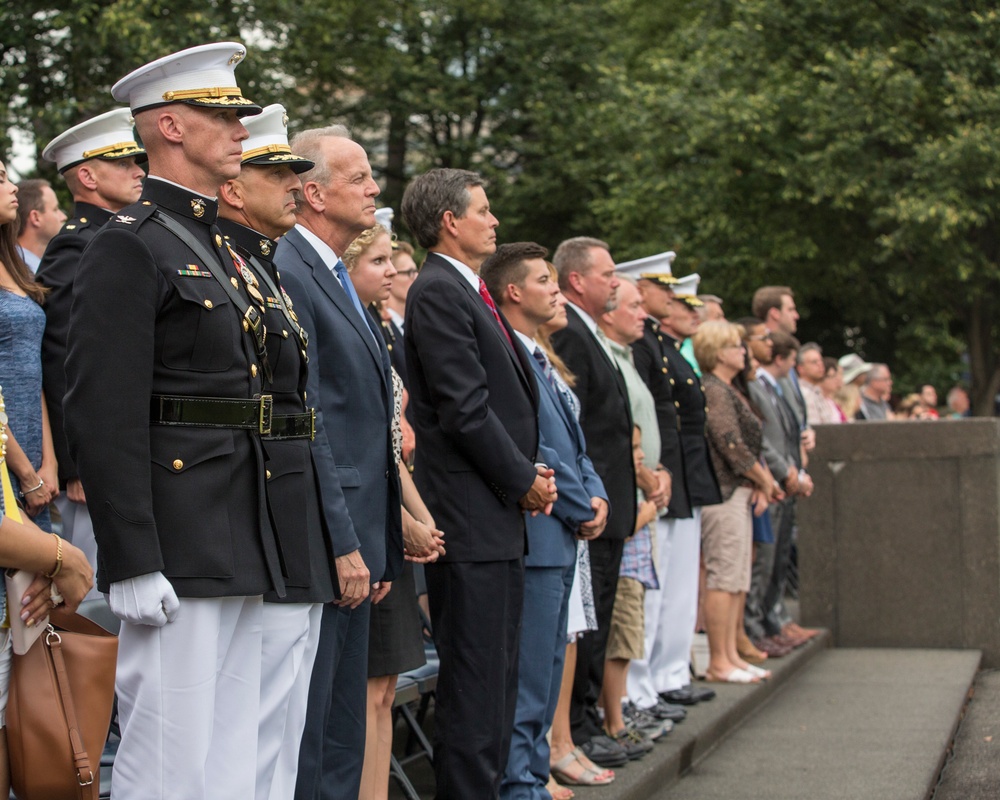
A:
(736, 675)
(761, 673)
(558, 792)
(589, 775)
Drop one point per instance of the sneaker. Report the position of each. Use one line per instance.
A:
(665, 710)
(635, 744)
(642, 721)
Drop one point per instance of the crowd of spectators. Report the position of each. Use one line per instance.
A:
(650, 452)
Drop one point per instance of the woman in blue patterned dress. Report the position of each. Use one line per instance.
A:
(23, 544)
(22, 322)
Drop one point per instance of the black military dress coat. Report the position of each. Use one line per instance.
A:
(57, 272)
(689, 400)
(651, 362)
(292, 489)
(149, 319)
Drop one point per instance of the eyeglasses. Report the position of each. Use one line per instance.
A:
(407, 273)
(760, 337)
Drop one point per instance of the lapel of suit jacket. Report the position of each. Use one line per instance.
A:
(785, 414)
(516, 353)
(565, 413)
(576, 319)
(328, 282)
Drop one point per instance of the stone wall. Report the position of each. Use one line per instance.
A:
(899, 546)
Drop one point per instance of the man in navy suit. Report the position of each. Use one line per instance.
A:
(475, 407)
(349, 383)
(519, 278)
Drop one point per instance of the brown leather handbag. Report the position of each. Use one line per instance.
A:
(61, 697)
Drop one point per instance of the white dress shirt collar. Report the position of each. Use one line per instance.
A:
(587, 319)
(323, 250)
(465, 271)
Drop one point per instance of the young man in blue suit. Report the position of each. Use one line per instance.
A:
(350, 384)
(519, 278)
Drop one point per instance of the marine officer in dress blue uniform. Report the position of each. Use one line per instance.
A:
(165, 411)
(255, 210)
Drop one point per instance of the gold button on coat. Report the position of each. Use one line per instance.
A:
(178, 464)
(253, 370)
(208, 304)
(268, 473)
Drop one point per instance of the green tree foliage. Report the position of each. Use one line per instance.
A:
(58, 61)
(844, 149)
(506, 87)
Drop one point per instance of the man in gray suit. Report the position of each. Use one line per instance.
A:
(783, 453)
(350, 384)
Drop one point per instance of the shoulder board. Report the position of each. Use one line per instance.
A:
(75, 224)
(132, 216)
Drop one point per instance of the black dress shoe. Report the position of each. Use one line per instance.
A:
(680, 697)
(604, 751)
(702, 693)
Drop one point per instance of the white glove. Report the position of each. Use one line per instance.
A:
(146, 600)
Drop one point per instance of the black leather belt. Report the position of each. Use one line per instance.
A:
(224, 412)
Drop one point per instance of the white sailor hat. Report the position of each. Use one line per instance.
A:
(108, 137)
(268, 141)
(686, 290)
(651, 268)
(384, 217)
(202, 76)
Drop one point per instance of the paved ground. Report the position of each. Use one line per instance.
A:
(853, 724)
(705, 726)
(973, 771)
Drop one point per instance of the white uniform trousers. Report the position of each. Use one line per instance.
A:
(291, 635)
(671, 613)
(79, 530)
(188, 703)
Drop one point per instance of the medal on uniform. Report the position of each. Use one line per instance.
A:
(198, 207)
(247, 274)
(288, 304)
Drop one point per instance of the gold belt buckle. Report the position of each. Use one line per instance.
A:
(266, 410)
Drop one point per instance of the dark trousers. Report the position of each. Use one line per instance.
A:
(774, 595)
(476, 618)
(540, 668)
(333, 742)
(605, 562)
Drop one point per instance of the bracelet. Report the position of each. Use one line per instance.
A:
(25, 492)
(59, 561)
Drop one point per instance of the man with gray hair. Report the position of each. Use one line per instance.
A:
(350, 384)
(587, 279)
(475, 405)
(875, 394)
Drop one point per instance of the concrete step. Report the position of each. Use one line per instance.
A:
(854, 723)
(973, 771)
(690, 741)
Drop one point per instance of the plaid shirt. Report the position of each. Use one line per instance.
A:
(637, 559)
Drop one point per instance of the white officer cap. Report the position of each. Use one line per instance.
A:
(686, 290)
(384, 217)
(108, 137)
(202, 76)
(651, 268)
(268, 141)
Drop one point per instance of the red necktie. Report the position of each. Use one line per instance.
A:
(488, 299)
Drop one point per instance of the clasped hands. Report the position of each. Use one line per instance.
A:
(542, 494)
